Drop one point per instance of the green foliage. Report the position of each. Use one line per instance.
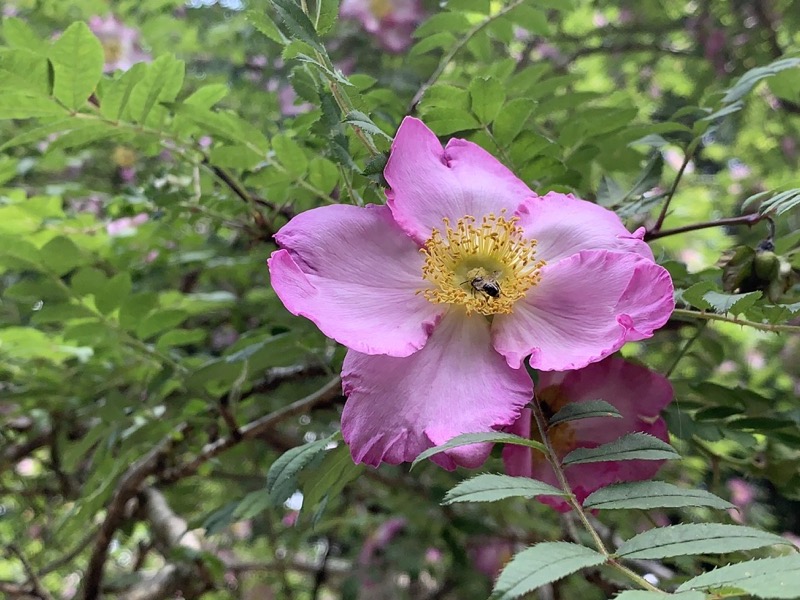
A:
(143, 350)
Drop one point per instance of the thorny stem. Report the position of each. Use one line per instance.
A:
(555, 463)
(748, 220)
(707, 316)
(686, 159)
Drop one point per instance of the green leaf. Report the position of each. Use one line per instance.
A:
(297, 23)
(224, 125)
(37, 133)
(696, 538)
(363, 122)
(478, 438)
(18, 34)
(23, 70)
(335, 471)
(777, 577)
(490, 488)
(487, 97)
(542, 564)
(253, 504)
(282, 475)
(749, 80)
(445, 121)
(159, 321)
(116, 96)
(632, 446)
(530, 18)
(584, 410)
(266, 26)
(290, 155)
(77, 58)
(731, 303)
(61, 255)
(208, 95)
(444, 21)
(651, 494)
(86, 132)
(24, 105)
(161, 82)
(512, 119)
(328, 12)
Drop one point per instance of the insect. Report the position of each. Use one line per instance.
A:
(487, 285)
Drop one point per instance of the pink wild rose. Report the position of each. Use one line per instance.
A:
(441, 294)
(120, 43)
(391, 22)
(638, 394)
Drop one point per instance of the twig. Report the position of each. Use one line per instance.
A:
(686, 159)
(774, 328)
(129, 485)
(748, 220)
(33, 578)
(689, 343)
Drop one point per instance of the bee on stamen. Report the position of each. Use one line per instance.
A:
(487, 285)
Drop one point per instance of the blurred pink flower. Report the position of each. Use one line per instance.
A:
(391, 22)
(380, 538)
(126, 226)
(120, 43)
(490, 554)
(636, 392)
(743, 494)
(442, 294)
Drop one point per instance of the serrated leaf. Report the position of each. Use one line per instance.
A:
(253, 504)
(18, 34)
(478, 438)
(161, 82)
(748, 81)
(651, 494)
(540, 565)
(632, 446)
(328, 11)
(290, 155)
(731, 303)
(282, 475)
(297, 23)
(777, 577)
(77, 58)
(512, 119)
(696, 538)
(266, 26)
(335, 471)
(487, 98)
(444, 21)
(491, 487)
(363, 122)
(589, 409)
(208, 95)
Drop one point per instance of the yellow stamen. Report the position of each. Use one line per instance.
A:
(483, 267)
(380, 8)
(112, 48)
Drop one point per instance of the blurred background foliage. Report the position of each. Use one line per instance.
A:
(149, 376)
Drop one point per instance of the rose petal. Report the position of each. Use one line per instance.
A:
(429, 183)
(584, 308)
(398, 407)
(564, 225)
(355, 274)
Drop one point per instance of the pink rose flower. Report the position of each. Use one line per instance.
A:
(120, 43)
(391, 22)
(126, 226)
(636, 392)
(441, 294)
(490, 554)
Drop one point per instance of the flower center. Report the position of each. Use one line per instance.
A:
(380, 8)
(483, 267)
(112, 48)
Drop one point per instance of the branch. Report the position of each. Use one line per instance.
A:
(128, 486)
(254, 429)
(774, 328)
(748, 220)
(37, 590)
